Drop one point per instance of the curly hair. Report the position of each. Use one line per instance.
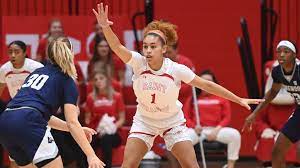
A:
(167, 28)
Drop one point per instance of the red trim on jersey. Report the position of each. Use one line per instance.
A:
(11, 72)
(141, 133)
(166, 75)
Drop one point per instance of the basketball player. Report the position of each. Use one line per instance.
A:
(156, 82)
(23, 125)
(14, 72)
(286, 74)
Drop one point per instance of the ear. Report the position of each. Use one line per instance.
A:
(164, 49)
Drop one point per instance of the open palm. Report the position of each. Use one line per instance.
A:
(102, 15)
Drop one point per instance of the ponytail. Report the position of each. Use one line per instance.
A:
(60, 53)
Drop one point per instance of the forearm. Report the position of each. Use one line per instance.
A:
(58, 124)
(121, 119)
(111, 38)
(220, 91)
(79, 136)
(123, 53)
(270, 95)
(120, 122)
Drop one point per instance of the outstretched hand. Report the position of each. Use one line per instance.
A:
(89, 133)
(248, 122)
(245, 102)
(102, 15)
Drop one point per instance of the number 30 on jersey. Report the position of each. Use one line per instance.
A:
(36, 81)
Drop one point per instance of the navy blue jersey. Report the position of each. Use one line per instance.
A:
(46, 89)
(290, 81)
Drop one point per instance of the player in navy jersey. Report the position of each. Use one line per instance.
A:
(286, 74)
(25, 124)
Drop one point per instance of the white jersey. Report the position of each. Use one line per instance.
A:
(14, 78)
(157, 91)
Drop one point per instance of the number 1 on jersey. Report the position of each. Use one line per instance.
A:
(153, 98)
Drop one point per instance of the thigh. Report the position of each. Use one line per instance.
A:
(175, 135)
(291, 127)
(56, 163)
(135, 150)
(185, 153)
(282, 144)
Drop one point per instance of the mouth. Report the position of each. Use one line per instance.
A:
(281, 61)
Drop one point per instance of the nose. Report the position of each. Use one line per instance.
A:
(149, 50)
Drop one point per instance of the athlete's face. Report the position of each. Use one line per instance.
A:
(56, 29)
(100, 81)
(285, 55)
(103, 48)
(171, 53)
(153, 50)
(209, 78)
(16, 55)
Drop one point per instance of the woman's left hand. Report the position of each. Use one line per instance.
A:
(245, 102)
(89, 132)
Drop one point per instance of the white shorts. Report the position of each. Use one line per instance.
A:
(172, 134)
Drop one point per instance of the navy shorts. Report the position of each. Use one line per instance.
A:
(26, 137)
(291, 128)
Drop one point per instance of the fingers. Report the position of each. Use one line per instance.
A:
(255, 101)
(110, 23)
(101, 8)
(98, 7)
(106, 10)
(247, 107)
(247, 125)
(95, 12)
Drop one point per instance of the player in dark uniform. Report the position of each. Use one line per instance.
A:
(286, 74)
(25, 124)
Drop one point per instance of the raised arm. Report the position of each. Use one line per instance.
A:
(102, 17)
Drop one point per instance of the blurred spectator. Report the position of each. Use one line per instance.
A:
(215, 117)
(103, 59)
(272, 119)
(105, 112)
(14, 72)
(55, 30)
(172, 53)
(97, 35)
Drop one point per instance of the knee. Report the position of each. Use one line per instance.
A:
(130, 163)
(235, 136)
(189, 163)
(192, 165)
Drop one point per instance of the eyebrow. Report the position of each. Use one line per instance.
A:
(150, 43)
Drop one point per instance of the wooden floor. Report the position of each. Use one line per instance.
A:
(209, 164)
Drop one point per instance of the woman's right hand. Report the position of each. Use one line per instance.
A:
(102, 16)
(95, 162)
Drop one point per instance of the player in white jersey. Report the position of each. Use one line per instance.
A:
(156, 83)
(14, 72)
